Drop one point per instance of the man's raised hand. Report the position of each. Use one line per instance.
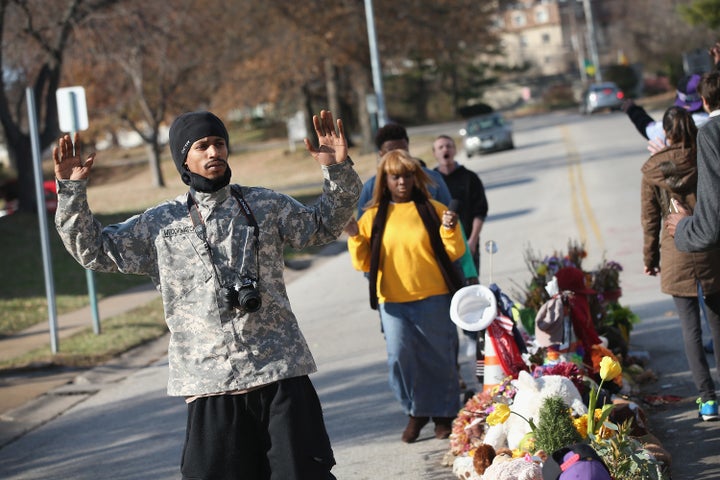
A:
(68, 160)
(332, 145)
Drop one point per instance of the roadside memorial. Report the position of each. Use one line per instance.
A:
(572, 390)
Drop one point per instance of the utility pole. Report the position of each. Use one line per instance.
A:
(576, 41)
(591, 40)
(375, 63)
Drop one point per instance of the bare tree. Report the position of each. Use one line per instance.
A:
(143, 62)
(652, 32)
(35, 37)
(156, 61)
(442, 38)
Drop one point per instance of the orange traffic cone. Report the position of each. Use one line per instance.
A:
(493, 374)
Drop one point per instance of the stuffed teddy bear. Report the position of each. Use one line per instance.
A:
(515, 469)
(483, 458)
(529, 397)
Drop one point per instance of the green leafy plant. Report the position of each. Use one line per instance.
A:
(621, 317)
(626, 458)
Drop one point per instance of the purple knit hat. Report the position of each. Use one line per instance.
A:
(687, 95)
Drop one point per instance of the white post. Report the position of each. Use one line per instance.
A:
(375, 64)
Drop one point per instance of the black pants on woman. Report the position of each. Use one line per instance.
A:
(689, 312)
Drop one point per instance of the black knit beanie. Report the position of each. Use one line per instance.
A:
(188, 128)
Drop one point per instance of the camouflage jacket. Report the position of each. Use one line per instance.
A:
(214, 349)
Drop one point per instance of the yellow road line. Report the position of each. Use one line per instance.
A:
(579, 200)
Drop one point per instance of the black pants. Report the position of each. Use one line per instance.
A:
(689, 312)
(274, 433)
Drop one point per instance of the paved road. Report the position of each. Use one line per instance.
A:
(571, 177)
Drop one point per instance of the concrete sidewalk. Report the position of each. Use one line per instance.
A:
(21, 386)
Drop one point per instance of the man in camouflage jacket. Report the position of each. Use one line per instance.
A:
(251, 406)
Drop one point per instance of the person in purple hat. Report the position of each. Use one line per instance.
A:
(686, 97)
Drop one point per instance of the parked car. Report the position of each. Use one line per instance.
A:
(9, 197)
(600, 96)
(487, 133)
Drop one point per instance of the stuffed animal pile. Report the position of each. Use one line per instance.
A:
(528, 399)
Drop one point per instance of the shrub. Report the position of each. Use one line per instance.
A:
(555, 428)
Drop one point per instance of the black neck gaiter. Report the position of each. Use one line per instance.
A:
(206, 185)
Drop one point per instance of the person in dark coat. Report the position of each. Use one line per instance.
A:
(671, 176)
(466, 187)
(699, 229)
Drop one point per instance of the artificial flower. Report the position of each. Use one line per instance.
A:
(566, 369)
(468, 428)
(499, 415)
(609, 368)
(597, 354)
(581, 425)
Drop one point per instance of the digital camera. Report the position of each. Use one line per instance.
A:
(244, 295)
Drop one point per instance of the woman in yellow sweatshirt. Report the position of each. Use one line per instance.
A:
(407, 242)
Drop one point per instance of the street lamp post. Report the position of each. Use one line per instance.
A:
(375, 64)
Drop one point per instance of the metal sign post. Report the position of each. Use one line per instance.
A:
(491, 248)
(73, 117)
(42, 217)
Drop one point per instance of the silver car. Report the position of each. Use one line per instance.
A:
(487, 133)
(599, 96)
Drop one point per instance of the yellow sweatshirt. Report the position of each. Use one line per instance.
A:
(408, 268)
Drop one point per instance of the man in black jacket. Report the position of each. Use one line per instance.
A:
(466, 187)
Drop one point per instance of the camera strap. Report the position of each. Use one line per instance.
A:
(245, 209)
(199, 224)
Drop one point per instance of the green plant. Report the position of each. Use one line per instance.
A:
(555, 428)
(625, 456)
(622, 317)
(609, 369)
